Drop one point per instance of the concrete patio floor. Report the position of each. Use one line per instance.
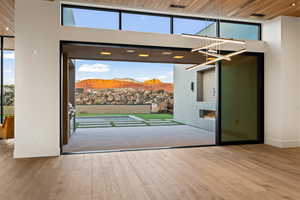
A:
(120, 138)
(121, 121)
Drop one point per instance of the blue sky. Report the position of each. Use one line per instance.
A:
(9, 67)
(91, 69)
(133, 22)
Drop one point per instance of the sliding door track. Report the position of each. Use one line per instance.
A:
(136, 149)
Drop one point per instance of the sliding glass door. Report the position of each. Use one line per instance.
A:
(241, 99)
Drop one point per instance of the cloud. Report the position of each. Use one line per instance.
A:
(143, 78)
(99, 68)
(162, 77)
(8, 71)
(88, 77)
(9, 55)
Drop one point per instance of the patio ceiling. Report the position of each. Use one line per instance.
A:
(133, 54)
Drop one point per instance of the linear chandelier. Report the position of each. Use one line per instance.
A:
(215, 39)
(224, 57)
(211, 48)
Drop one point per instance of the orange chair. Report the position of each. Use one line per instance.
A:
(7, 128)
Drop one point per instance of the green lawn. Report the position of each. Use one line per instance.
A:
(143, 116)
(154, 116)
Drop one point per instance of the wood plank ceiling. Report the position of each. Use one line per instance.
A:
(226, 8)
(7, 20)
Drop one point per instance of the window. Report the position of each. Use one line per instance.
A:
(8, 82)
(146, 23)
(90, 18)
(239, 31)
(195, 26)
(99, 18)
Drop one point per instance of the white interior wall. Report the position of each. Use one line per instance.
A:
(38, 35)
(37, 79)
(282, 83)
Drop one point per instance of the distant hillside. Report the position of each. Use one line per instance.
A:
(153, 84)
(126, 79)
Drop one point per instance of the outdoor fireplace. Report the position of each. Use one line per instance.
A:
(207, 114)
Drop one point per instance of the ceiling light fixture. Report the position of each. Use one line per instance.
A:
(212, 51)
(208, 46)
(7, 29)
(166, 53)
(106, 53)
(211, 47)
(213, 55)
(144, 55)
(215, 39)
(216, 59)
(130, 51)
(293, 4)
(178, 57)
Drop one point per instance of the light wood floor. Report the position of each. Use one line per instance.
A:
(235, 173)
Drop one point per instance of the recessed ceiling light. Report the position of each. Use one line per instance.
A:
(7, 29)
(105, 53)
(177, 6)
(293, 4)
(166, 53)
(130, 51)
(144, 55)
(178, 57)
(257, 15)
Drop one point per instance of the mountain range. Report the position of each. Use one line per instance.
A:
(153, 84)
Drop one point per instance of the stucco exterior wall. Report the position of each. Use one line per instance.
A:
(186, 107)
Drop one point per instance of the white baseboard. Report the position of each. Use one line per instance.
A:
(35, 153)
(282, 143)
(6, 141)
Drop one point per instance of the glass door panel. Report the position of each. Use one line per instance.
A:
(240, 102)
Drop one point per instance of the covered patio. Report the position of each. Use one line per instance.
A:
(121, 138)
